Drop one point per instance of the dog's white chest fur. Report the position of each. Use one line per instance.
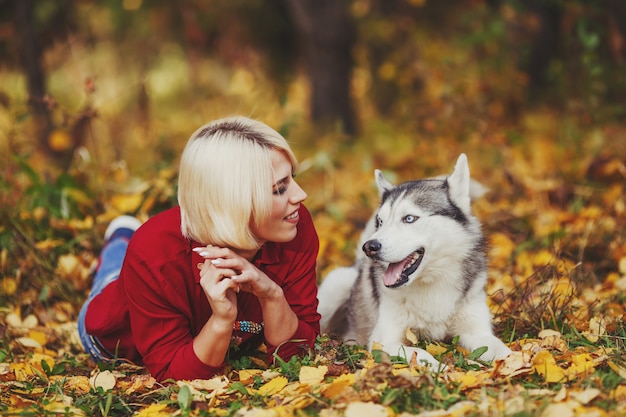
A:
(424, 309)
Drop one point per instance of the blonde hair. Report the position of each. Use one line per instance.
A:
(225, 181)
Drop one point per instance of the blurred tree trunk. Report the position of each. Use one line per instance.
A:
(327, 35)
(617, 26)
(30, 60)
(544, 42)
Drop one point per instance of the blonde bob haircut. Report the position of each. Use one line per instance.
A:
(225, 181)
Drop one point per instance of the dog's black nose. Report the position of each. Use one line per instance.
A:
(371, 247)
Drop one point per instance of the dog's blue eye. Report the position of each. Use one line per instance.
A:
(409, 218)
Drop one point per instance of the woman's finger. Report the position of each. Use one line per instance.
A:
(221, 289)
(211, 276)
(213, 252)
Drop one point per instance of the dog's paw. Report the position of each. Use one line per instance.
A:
(500, 352)
(495, 350)
(422, 357)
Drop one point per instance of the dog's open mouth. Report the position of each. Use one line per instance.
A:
(398, 273)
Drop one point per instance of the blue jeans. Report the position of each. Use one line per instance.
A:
(111, 260)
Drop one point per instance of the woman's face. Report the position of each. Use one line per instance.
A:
(287, 195)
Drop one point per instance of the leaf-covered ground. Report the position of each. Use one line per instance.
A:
(557, 280)
(554, 216)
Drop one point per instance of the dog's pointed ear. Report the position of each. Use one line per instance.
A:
(381, 182)
(459, 184)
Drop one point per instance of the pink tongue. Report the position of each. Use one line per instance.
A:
(393, 273)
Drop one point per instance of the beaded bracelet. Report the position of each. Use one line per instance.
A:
(248, 326)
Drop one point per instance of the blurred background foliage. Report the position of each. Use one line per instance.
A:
(97, 99)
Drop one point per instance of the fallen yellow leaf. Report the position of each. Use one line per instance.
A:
(582, 364)
(470, 378)
(339, 384)
(246, 376)
(28, 342)
(38, 336)
(513, 364)
(21, 371)
(312, 375)
(545, 365)
(299, 402)
(273, 386)
(434, 349)
(410, 336)
(36, 359)
(154, 410)
(76, 383)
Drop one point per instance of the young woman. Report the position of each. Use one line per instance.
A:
(234, 262)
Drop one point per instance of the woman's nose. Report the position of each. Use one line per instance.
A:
(298, 195)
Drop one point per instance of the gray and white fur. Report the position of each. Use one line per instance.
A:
(422, 265)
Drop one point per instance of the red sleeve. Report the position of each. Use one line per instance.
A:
(299, 284)
(160, 324)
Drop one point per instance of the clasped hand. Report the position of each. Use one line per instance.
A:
(224, 273)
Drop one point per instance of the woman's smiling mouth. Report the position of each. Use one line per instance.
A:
(293, 216)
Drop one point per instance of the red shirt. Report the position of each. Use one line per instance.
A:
(151, 314)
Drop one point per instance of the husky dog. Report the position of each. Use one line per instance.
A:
(422, 266)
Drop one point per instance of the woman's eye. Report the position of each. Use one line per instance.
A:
(409, 218)
(280, 190)
(281, 187)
